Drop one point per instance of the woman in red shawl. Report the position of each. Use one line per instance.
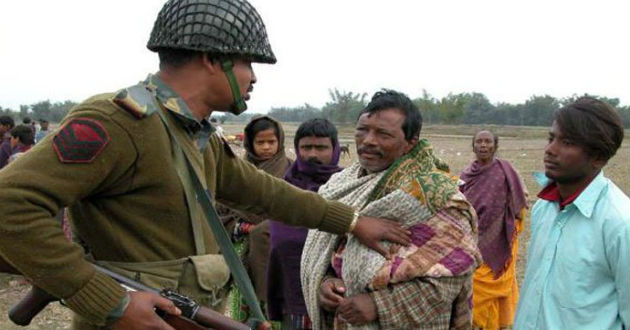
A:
(498, 194)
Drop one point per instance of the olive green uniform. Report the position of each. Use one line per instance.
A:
(129, 205)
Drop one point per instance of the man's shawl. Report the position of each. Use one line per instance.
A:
(417, 191)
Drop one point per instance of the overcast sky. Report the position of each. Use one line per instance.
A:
(508, 50)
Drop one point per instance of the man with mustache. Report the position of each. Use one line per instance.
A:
(317, 158)
(427, 285)
(130, 166)
(578, 263)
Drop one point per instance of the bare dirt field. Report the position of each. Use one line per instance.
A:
(522, 146)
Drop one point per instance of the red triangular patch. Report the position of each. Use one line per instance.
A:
(80, 141)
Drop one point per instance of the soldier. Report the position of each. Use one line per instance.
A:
(119, 161)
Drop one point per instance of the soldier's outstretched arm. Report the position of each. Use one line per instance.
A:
(79, 160)
(243, 186)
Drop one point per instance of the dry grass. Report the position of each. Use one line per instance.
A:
(522, 146)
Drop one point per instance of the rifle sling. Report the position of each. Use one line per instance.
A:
(232, 259)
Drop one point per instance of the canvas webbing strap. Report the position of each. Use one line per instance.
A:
(239, 104)
(184, 173)
(242, 280)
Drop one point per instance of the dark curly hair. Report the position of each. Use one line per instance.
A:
(24, 133)
(592, 124)
(316, 127)
(386, 99)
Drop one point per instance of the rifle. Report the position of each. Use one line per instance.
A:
(193, 317)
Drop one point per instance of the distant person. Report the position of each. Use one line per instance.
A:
(578, 263)
(264, 146)
(427, 285)
(29, 122)
(21, 141)
(317, 158)
(43, 130)
(496, 191)
(6, 124)
(218, 129)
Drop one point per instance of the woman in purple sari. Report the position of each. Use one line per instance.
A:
(498, 194)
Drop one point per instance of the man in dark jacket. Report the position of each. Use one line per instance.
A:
(317, 158)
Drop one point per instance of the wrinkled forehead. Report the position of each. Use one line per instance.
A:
(391, 118)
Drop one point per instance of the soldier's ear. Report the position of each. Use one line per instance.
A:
(210, 64)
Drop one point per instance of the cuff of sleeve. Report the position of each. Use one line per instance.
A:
(338, 218)
(381, 300)
(97, 299)
(118, 312)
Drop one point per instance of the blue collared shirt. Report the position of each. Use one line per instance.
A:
(578, 263)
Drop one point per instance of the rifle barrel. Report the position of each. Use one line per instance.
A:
(126, 281)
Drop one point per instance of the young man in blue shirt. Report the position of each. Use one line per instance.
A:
(578, 271)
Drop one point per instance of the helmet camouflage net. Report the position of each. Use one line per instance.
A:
(224, 27)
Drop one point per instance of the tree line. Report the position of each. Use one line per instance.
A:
(46, 110)
(343, 107)
(453, 109)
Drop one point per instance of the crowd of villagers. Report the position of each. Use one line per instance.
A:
(272, 250)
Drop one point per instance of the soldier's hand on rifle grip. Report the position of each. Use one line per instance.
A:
(140, 313)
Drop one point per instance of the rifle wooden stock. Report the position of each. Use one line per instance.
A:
(182, 323)
(218, 320)
(5, 267)
(33, 303)
(37, 299)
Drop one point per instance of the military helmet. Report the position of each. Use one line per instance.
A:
(223, 27)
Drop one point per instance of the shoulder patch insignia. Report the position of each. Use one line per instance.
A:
(137, 100)
(80, 141)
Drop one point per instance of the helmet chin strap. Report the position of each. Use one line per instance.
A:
(239, 105)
